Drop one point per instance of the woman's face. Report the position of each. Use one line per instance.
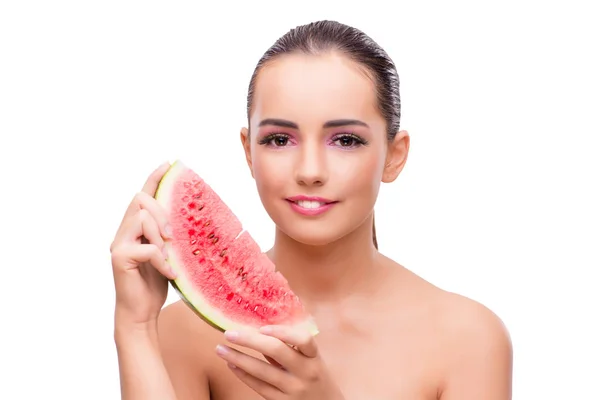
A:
(317, 146)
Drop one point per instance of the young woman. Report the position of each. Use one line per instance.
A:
(323, 133)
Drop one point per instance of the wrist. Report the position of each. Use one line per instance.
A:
(126, 330)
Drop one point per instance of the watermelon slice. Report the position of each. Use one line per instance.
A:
(221, 272)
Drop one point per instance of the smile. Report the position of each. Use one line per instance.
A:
(310, 206)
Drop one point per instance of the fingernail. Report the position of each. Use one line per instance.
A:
(231, 335)
(221, 350)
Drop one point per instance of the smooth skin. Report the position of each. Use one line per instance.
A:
(385, 333)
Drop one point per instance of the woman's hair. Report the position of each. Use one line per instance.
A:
(325, 36)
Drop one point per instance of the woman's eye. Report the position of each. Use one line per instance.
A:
(280, 140)
(346, 141)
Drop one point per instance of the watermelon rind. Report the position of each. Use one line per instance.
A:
(184, 287)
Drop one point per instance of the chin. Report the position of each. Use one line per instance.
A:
(322, 230)
(315, 236)
(315, 232)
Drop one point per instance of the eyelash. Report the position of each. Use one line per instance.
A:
(358, 141)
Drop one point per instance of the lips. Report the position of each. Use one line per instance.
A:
(310, 201)
(310, 205)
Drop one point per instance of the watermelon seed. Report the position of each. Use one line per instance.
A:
(223, 252)
(215, 240)
(212, 235)
(200, 208)
(196, 252)
(255, 308)
(239, 300)
(207, 224)
(240, 270)
(246, 306)
(220, 289)
(244, 276)
(193, 242)
(197, 196)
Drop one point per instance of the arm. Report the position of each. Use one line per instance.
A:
(481, 366)
(162, 362)
(142, 372)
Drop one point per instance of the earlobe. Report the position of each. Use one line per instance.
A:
(396, 157)
(245, 139)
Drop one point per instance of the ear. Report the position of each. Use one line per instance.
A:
(396, 156)
(245, 138)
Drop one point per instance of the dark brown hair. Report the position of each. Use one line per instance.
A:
(324, 36)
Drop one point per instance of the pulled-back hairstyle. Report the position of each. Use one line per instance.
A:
(325, 36)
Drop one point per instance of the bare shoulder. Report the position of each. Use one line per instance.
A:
(464, 322)
(184, 340)
(469, 322)
(473, 354)
(188, 350)
(478, 350)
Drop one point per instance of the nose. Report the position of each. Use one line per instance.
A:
(311, 166)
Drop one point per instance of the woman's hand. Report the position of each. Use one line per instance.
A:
(138, 259)
(294, 371)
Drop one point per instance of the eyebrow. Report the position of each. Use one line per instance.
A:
(329, 124)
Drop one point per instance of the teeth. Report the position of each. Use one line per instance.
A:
(309, 204)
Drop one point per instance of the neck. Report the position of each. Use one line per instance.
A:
(329, 272)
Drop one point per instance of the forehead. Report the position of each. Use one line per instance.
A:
(307, 88)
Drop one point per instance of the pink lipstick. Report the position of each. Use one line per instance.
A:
(310, 205)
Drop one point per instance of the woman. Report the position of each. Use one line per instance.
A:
(323, 122)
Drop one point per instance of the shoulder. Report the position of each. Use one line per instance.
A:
(478, 355)
(185, 344)
(460, 320)
(471, 325)
(183, 334)
(465, 345)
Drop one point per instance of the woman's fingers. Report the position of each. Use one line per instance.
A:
(143, 224)
(143, 204)
(300, 339)
(130, 256)
(261, 387)
(153, 180)
(272, 348)
(145, 200)
(259, 369)
(131, 252)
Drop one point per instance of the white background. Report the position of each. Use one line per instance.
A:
(499, 200)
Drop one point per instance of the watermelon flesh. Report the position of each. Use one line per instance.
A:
(221, 272)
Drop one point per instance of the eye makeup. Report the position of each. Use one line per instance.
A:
(276, 139)
(348, 140)
(345, 140)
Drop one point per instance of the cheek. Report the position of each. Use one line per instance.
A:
(360, 174)
(271, 171)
